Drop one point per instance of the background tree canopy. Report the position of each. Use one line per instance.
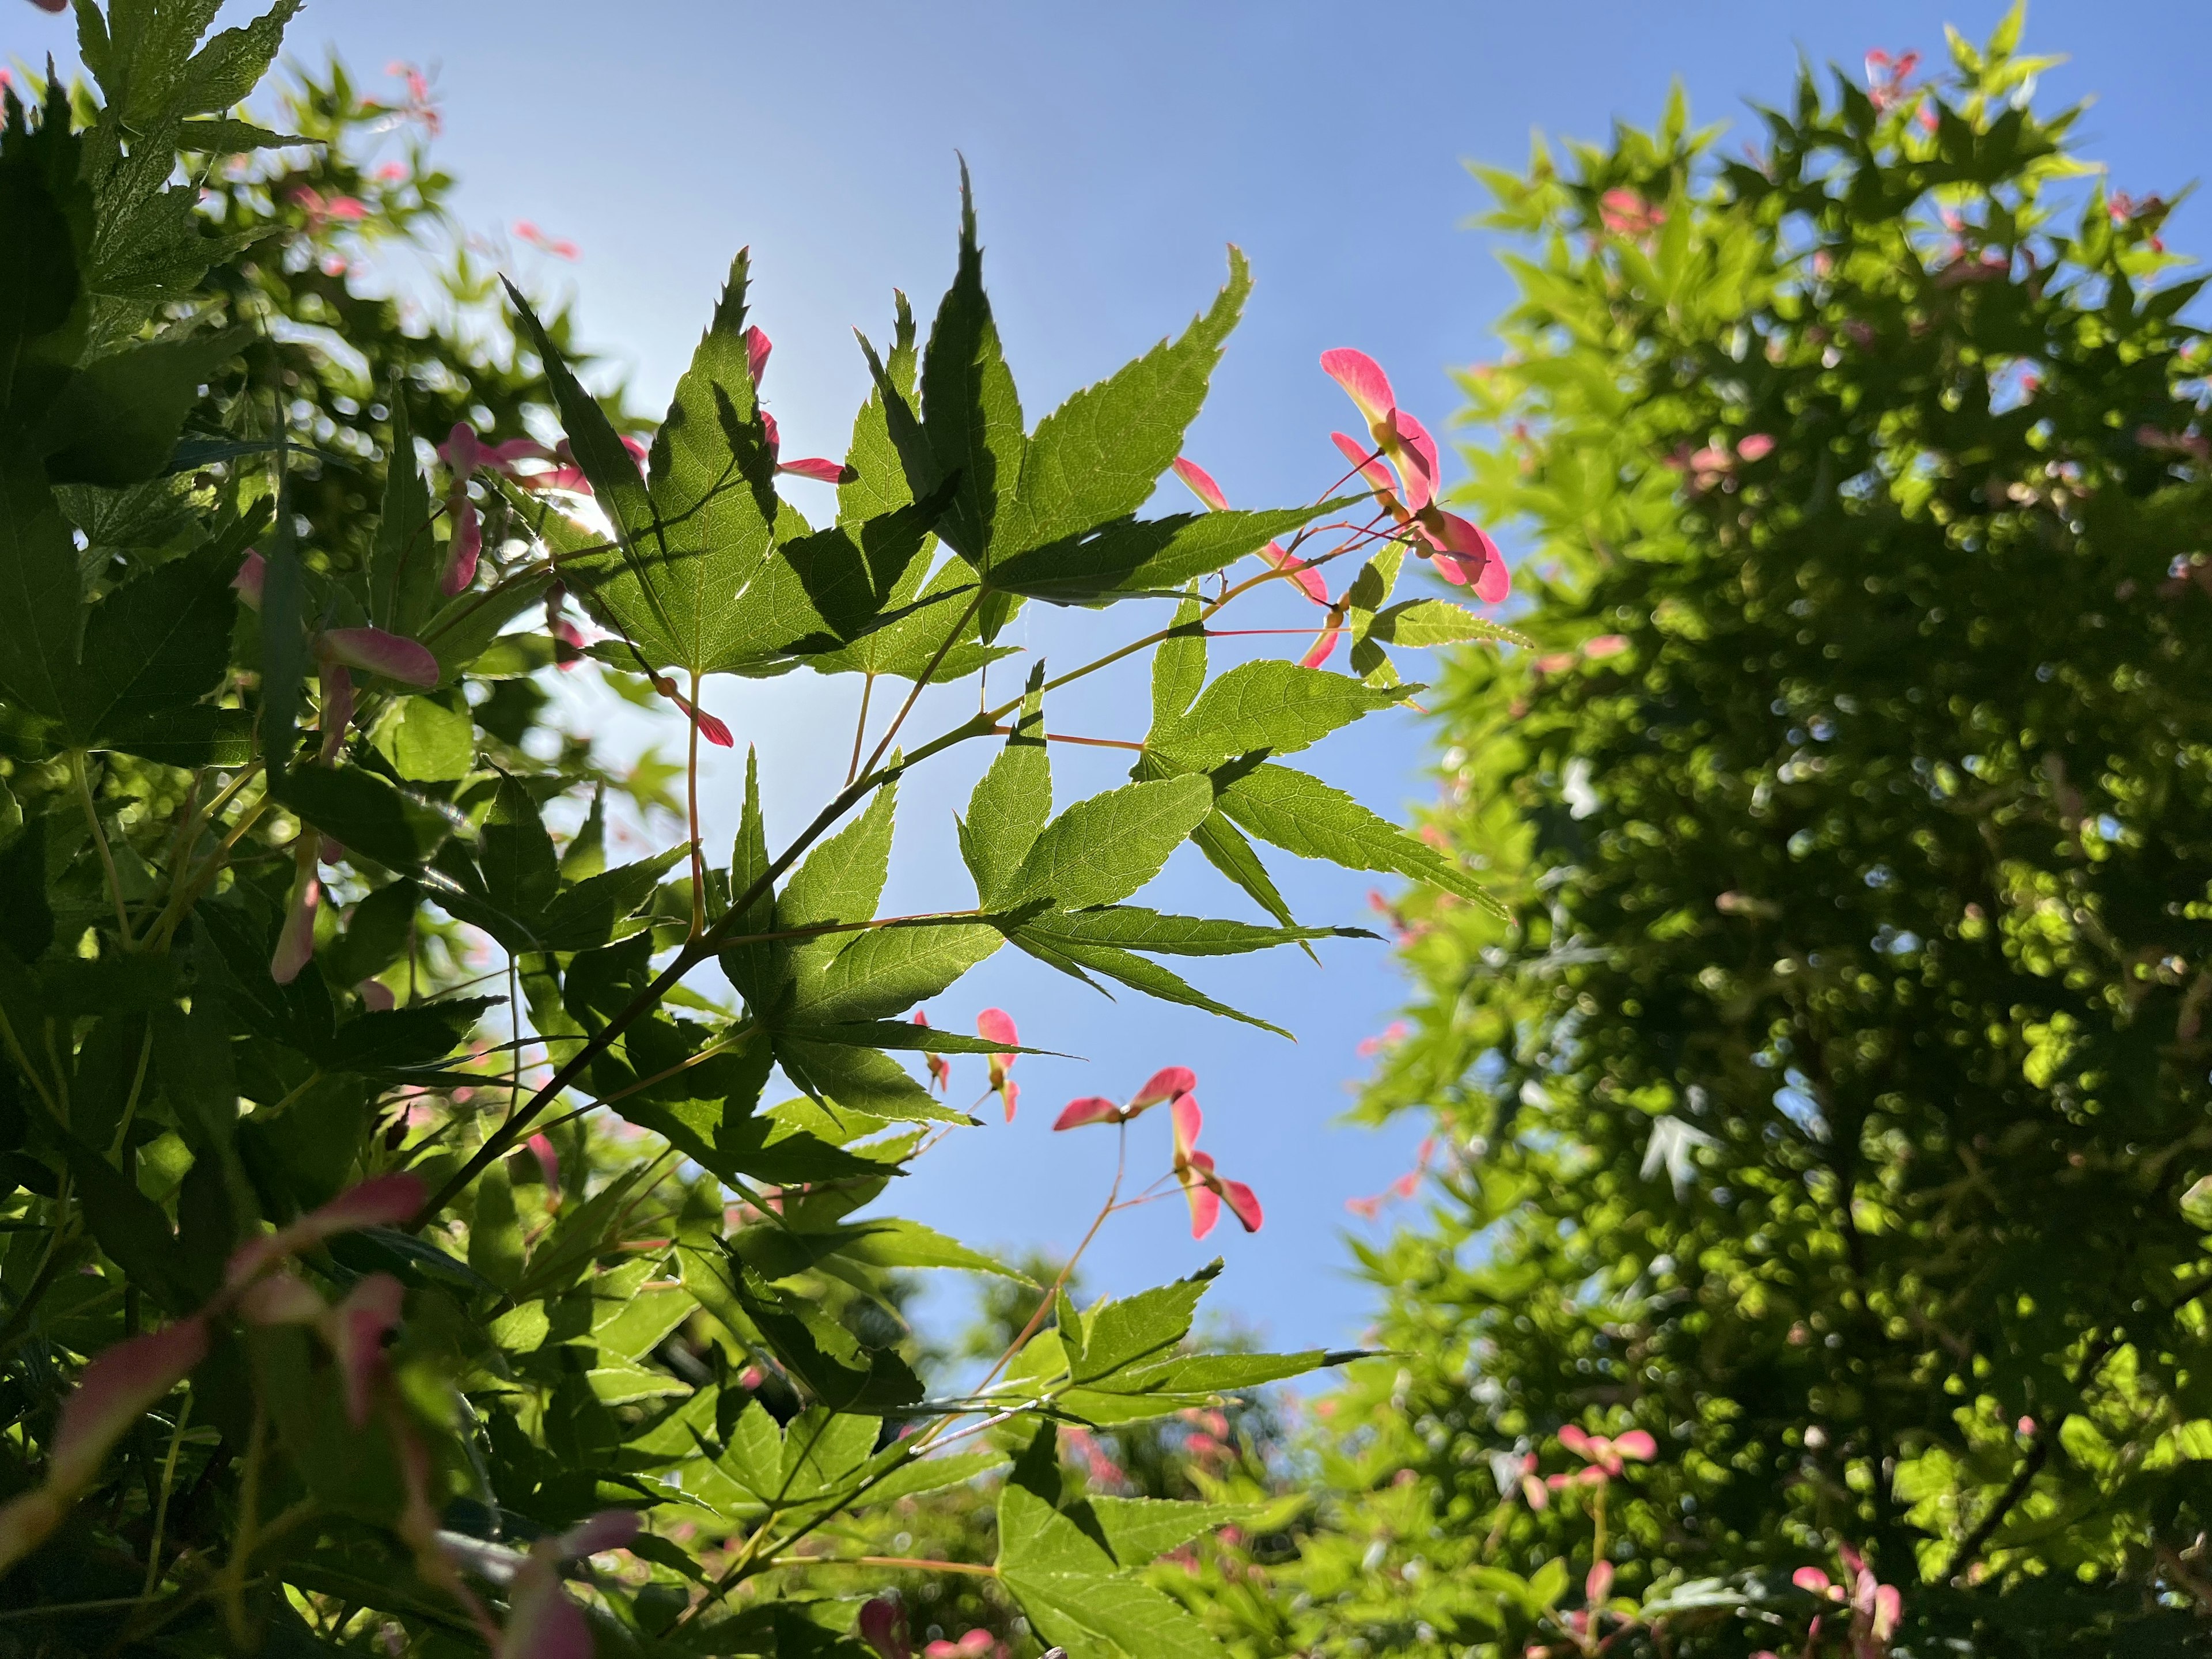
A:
(1832, 1107)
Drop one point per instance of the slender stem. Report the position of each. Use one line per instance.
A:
(952, 639)
(206, 873)
(691, 785)
(914, 1563)
(720, 1045)
(861, 726)
(63, 1609)
(697, 950)
(19, 1318)
(249, 1524)
(1091, 743)
(130, 1106)
(515, 1020)
(1051, 1298)
(23, 1062)
(2031, 1466)
(61, 1072)
(693, 952)
(816, 930)
(161, 1508)
(99, 840)
(178, 866)
(187, 815)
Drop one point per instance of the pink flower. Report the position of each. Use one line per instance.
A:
(537, 238)
(974, 1645)
(375, 996)
(1598, 1585)
(709, 728)
(393, 173)
(1531, 1489)
(940, 1069)
(1394, 1033)
(997, 1025)
(1170, 1083)
(1626, 213)
(1875, 1607)
(370, 649)
(1202, 1189)
(465, 454)
(1714, 466)
(1103, 1470)
(565, 474)
(57, 7)
(118, 1388)
(1468, 558)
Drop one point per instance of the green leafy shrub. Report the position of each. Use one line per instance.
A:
(352, 1305)
(1828, 1119)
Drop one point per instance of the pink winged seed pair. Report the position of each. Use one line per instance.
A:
(1462, 554)
(1204, 1187)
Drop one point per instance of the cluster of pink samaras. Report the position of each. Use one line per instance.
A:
(883, 1627)
(532, 466)
(1888, 87)
(1872, 1608)
(1399, 463)
(1203, 1187)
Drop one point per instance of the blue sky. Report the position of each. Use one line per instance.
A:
(1115, 150)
